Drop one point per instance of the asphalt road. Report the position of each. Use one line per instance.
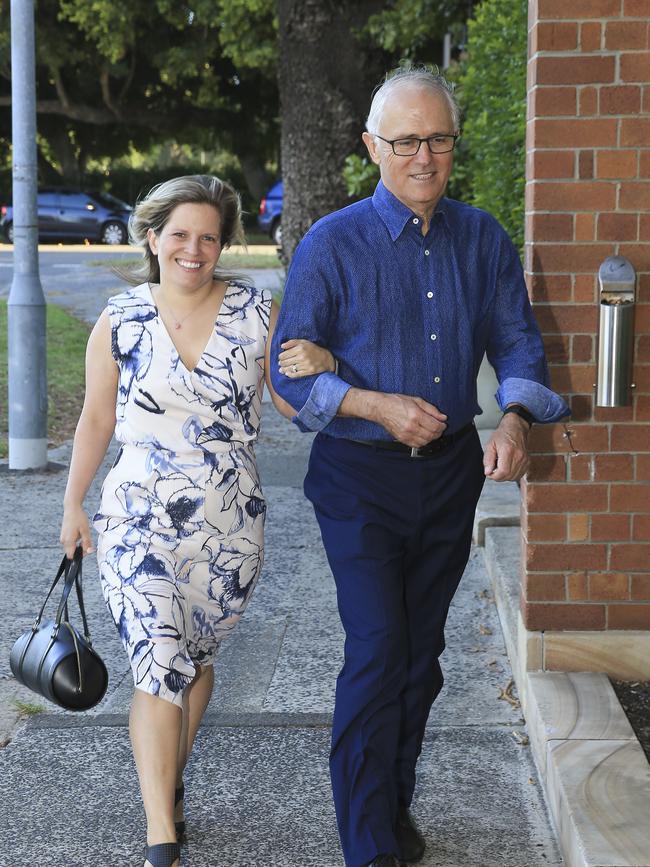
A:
(81, 281)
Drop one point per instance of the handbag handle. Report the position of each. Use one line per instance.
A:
(73, 578)
(70, 570)
(63, 569)
(80, 599)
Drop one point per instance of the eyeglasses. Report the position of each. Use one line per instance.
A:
(408, 147)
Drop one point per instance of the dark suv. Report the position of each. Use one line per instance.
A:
(65, 213)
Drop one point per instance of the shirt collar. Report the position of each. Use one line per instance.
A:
(394, 213)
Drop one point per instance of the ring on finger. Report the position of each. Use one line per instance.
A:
(294, 368)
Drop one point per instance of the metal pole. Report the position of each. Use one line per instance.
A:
(26, 306)
(446, 51)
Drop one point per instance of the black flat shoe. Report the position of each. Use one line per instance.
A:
(384, 861)
(179, 794)
(411, 842)
(162, 854)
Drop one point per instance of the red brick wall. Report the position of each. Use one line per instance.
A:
(586, 501)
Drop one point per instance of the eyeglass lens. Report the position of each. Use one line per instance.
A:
(437, 144)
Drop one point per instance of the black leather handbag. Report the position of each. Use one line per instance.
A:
(53, 659)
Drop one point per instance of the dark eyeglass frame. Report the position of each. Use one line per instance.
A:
(453, 136)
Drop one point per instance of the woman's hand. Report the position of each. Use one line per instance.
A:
(75, 530)
(304, 358)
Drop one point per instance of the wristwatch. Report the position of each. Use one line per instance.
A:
(522, 412)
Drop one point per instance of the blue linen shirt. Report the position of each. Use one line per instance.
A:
(411, 314)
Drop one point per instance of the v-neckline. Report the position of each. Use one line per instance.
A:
(171, 339)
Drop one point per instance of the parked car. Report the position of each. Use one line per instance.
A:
(65, 213)
(269, 218)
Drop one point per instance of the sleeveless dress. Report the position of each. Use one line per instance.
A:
(181, 517)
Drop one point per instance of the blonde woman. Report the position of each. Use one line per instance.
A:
(175, 368)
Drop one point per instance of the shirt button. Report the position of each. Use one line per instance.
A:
(415, 221)
(436, 379)
(429, 294)
(427, 252)
(434, 336)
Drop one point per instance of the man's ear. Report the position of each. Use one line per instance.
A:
(152, 238)
(371, 143)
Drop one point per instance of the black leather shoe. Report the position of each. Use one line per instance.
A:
(384, 861)
(411, 842)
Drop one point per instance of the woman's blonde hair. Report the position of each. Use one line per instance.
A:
(155, 209)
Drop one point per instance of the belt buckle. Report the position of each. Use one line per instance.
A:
(415, 452)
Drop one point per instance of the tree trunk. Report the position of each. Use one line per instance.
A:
(47, 174)
(325, 80)
(257, 178)
(64, 153)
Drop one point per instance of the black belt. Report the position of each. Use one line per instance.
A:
(431, 448)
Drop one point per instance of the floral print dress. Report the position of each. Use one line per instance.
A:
(181, 518)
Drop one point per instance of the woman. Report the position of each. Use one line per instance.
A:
(176, 367)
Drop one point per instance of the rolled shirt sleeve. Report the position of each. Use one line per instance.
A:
(545, 405)
(323, 402)
(515, 348)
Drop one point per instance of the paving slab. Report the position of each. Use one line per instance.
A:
(599, 791)
(262, 796)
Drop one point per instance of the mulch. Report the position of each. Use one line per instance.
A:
(635, 701)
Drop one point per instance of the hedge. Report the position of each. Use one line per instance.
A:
(492, 91)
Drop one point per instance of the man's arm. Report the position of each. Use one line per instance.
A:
(309, 311)
(516, 352)
(410, 420)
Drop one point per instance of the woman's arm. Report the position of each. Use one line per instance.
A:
(299, 358)
(92, 436)
(281, 405)
(304, 358)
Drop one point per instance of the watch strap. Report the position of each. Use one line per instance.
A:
(522, 412)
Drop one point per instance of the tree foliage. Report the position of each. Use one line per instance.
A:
(492, 90)
(112, 74)
(408, 28)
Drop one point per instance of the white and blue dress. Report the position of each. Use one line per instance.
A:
(181, 519)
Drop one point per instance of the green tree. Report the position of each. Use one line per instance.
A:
(117, 74)
(492, 91)
(414, 29)
(112, 74)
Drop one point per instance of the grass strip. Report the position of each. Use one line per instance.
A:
(66, 349)
(231, 261)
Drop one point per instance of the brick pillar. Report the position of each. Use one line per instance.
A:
(586, 502)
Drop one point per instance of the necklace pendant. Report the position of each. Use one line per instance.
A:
(177, 326)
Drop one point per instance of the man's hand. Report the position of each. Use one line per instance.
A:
(409, 420)
(506, 454)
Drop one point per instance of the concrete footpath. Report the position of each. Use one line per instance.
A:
(257, 785)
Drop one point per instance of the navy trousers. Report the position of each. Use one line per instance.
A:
(397, 532)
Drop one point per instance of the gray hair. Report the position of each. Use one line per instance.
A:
(155, 209)
(414, 76)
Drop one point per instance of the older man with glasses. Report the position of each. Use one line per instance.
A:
(409, 290)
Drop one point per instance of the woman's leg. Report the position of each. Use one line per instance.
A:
(195, 700)
(155, 728)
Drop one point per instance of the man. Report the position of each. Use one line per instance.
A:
(408, 289)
